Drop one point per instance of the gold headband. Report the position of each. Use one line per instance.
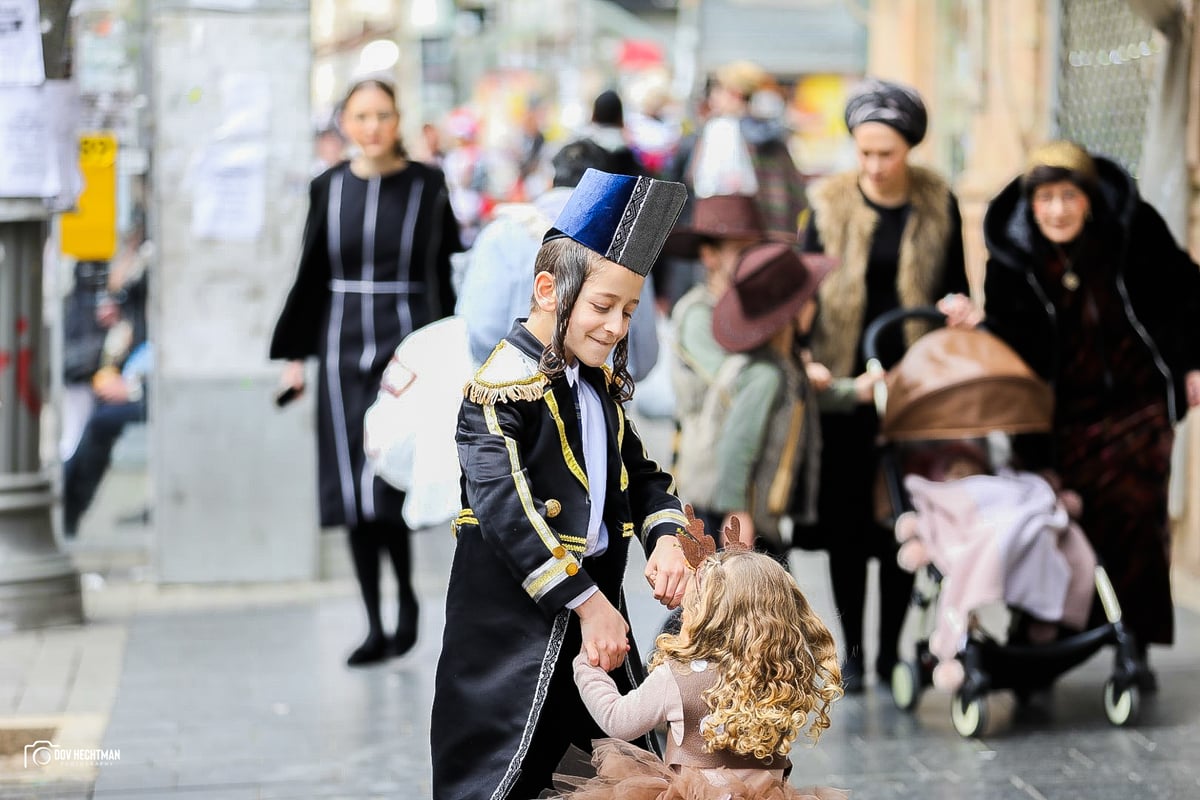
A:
(1063, 155)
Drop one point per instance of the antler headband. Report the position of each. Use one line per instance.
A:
(698, 545)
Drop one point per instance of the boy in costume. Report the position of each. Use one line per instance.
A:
(555, 484)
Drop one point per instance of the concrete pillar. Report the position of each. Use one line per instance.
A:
(234, 478)
(38, 584)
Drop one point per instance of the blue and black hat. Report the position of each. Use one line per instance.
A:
(623, 218)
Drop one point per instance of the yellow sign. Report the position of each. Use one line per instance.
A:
(90, 232)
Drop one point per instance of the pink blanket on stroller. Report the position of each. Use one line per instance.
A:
(998, 538)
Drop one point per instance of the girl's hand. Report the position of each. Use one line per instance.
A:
(819, 376)
(864, 386)
(605, 632)
(960, 311)
(667, 572)
(1192, 382)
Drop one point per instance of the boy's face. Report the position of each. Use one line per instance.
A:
(601, 315)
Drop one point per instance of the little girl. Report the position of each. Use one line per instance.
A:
(752, 668)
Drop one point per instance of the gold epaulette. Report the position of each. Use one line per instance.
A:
(506, 376)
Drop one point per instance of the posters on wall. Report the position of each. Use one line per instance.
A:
(21, 61)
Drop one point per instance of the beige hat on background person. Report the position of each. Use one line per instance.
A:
(742, 77)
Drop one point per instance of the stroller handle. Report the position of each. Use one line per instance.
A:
(871, 335)
(890, 319)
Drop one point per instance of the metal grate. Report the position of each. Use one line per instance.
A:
(1106, 66)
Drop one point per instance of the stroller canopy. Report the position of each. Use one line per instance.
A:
(955, 383)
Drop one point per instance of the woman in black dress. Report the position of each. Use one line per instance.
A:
(374, 266)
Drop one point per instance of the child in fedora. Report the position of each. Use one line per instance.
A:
(758, 425)
(555, 484)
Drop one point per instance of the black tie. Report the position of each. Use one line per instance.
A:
(578, 409)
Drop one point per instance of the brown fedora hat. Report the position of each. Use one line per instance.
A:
(771, 283)
(722, 216)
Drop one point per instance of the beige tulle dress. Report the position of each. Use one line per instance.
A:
(672, 694)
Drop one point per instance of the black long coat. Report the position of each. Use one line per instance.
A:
(374, 267)
(1116, 348)
(505, 703)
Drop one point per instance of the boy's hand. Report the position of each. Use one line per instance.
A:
(605, 639)
(667, 572)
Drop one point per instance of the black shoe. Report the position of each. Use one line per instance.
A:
(376, 648)
(852, 675)
(406, 631)
(1147, 679)
(883, 671)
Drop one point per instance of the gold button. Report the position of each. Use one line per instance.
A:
(553, 509)
(572, 568)
(559, 552)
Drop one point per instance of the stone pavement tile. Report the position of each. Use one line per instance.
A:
(56, 791)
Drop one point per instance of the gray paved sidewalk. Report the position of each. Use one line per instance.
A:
(240, 692)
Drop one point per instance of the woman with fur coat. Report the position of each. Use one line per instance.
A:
(897, 232)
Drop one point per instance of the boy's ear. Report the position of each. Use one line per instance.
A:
(544, 295)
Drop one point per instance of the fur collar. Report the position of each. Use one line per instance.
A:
(846, 225)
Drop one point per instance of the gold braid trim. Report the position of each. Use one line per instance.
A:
(508, 375)
(483, 393)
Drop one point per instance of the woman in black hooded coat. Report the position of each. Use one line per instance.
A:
(1086, 283)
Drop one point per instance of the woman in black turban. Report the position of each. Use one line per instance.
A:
(896, 230)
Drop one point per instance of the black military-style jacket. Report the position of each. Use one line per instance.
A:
(519, 560)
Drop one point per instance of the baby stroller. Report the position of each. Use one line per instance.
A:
(953, 387)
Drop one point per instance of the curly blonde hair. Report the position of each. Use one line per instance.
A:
(778, 666)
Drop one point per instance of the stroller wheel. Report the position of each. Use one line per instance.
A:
(1121, 706)
(906, 685)
(969, 715)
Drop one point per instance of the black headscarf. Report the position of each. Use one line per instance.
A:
(893, 104)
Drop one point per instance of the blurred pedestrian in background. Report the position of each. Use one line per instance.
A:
(120, 400)
(607, 129)
(654, 133)
(722, 228)
(330, 147)
(374, 266)
(466, 169)
(1086, 283)
(758, 425)
(735, 133)
(115, 359)
(496, 284)
(83, 343)
(896, 230)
